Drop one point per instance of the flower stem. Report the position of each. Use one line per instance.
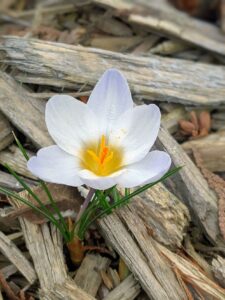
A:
(85, 204)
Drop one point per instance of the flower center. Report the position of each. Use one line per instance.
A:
(101, 158)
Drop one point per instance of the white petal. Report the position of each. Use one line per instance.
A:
(98, 182)
(149, 169)
(110, 98)
(71, 123)
(55, 165)
(141, 132)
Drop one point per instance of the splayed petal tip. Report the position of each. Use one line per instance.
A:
(54, 165)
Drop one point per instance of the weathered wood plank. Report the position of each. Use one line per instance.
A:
(15, 159)
(159, 16)
(170, 120)
(113, 228)
(9, 182)
(88, 276)
(68, 291)
(164, 214)
(44, 244)
(198, 278)
(158, 78)
(6, 136)
(192, 187)
(26, 113)
(128, 289)
(218, 268)
(9, 250)
(158, 265)
(211, 149)
(116, 233)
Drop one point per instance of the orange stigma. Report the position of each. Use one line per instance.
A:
(102, 160)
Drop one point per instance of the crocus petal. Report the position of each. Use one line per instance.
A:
(141, 132)
(98, 182)
(110, 98)
(71, 123)
(149, 169)
(55, 165)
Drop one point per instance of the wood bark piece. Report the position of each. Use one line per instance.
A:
(13, 157)
(15, 256)
(165, 215)
(192, 187)
(113, 227)
(45, 247)
(170, 120)
(117, 44)
(160, 268)
(67, 199)
(9, 182)
(170, 47)
(218, 268)
(110, 25)
(152, 78)
(6, 137)
(211, 149)
(8, 271)
(88, 276)
(26, 113)
(161, 17)
(147, 43)
(68, 291)
(128, 289)
(191, 273)
(149, 274)
(7, 225)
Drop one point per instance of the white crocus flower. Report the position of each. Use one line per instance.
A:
(102, 143)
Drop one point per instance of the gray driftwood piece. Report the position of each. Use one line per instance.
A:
(46, 249)
(16, 257)
(218, 268)
(6, 136)
(159, 16)
(9, 182)
(88, 276)
(68, 291)
(170, 120)
(152, 271)
(15, 159)
(192, 187)
(165, 215)
(211, 149)
(152, 78)
(128, 289)
(204, 284)
(144, 254)
(26, 113)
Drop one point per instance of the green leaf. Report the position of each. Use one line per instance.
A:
(43, 184)
(126, 198)
(53, 203)
(23, 151)
(31, 205)
(32, 194)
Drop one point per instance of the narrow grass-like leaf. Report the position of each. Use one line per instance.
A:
(43, 184)
(125, 199)
(34, 196)
(28, 189)
(23, 151)
(54, 205)
(31, 205)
